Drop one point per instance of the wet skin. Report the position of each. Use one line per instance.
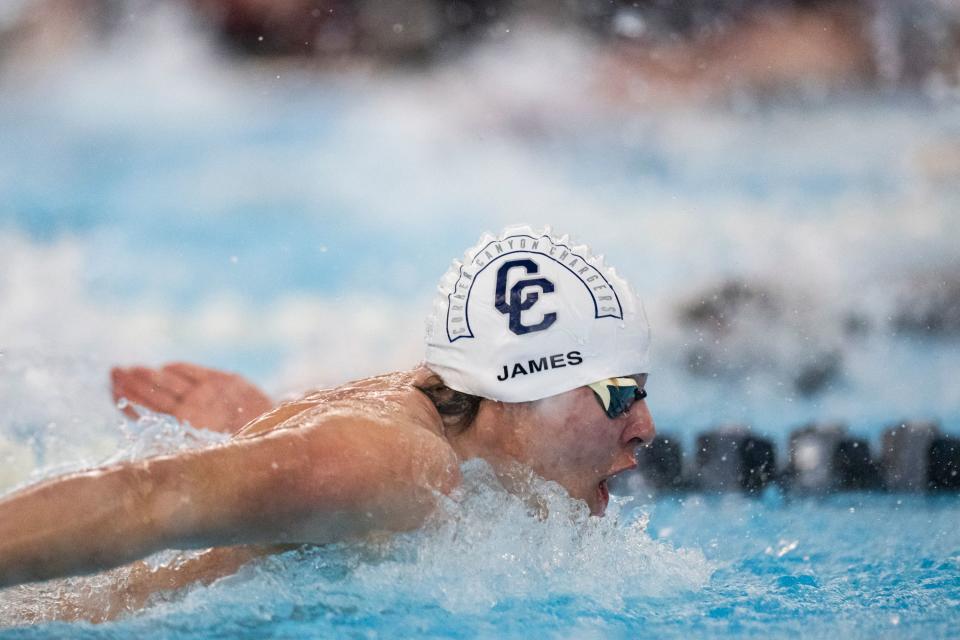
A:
(363, 458)
(368, 456)
(204, 397)
(565, 438)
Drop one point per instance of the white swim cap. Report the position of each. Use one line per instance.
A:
(527, 315)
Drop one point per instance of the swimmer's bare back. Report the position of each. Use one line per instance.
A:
(366, 457)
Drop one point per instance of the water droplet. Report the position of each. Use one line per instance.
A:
(786, 547)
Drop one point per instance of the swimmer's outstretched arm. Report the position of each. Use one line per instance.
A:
(323, 483)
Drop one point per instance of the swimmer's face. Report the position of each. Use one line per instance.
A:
(571, 441)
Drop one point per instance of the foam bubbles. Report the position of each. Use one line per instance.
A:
(484, 549)
(488, 548)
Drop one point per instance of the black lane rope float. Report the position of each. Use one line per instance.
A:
(914, 457)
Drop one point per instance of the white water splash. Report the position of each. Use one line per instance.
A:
(488, 548)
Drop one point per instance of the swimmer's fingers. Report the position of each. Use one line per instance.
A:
(204, 397)
(146, 387)
(164, 380)
(118, 389)
(173, 383)
(192, 372)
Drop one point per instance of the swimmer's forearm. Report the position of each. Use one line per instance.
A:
(316, 484)
(310, 485)
(97, 520)
(76, 525)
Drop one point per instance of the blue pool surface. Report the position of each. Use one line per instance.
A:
(858, 565)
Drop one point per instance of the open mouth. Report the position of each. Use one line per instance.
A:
(603, 497)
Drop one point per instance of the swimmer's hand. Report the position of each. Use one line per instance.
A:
(206, 398)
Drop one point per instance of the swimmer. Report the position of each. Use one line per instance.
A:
(536, 358)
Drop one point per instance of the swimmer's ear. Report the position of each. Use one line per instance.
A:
(457, 409)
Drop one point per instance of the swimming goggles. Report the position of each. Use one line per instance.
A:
(617, 395)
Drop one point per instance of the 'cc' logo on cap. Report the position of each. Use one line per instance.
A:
(516, 306)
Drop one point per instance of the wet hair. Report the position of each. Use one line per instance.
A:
(456, 408)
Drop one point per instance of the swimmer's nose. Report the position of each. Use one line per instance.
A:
(640, 428)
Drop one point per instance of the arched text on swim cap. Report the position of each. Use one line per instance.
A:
(520, 299)
(585, 268)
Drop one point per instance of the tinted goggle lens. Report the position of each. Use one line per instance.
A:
(617, 395)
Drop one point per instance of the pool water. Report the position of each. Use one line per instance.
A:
(864, 566)
(161, 203)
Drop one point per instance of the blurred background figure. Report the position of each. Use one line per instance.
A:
(682, 47)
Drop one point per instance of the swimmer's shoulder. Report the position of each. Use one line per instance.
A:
(385, 419)
(388, 399)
